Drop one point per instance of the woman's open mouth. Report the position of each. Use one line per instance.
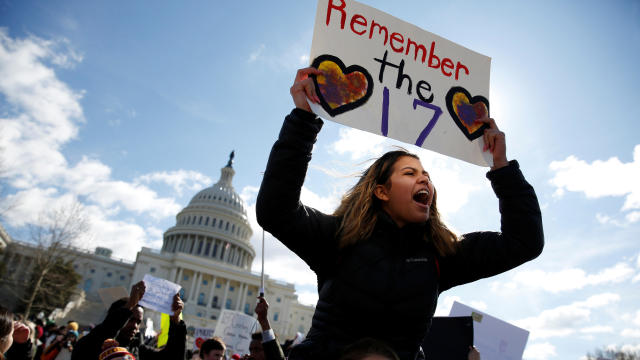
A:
(422, 197)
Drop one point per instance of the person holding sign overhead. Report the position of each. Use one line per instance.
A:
(122, 323)
(384, 256)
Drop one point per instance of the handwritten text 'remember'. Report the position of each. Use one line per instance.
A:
(359, 25)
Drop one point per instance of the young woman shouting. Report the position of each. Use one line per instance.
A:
(384, 256)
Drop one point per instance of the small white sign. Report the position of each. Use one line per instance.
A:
(495, 339)
(391, 78)
(200, 335)
(158, 294)
(235, 329)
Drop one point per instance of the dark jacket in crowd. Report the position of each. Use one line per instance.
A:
(89, 346)
(272, 350)
(19, 351)
(387, 286)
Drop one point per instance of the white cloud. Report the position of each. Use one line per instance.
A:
(444, 306)
(636, 319)
(632, 217)
(43, 115)
(566, 279)
(358, 144)
(284, 58)
(541, 351)
(597, 330)
(633, 333)
(601, 178)
(280, 262)
(630, 348)
(249, 193)
(256, 53)
(565, 320)
(179, 180)
(125, 239)
(326, 204)
(480, 305)
(308, 297)
(608, 220)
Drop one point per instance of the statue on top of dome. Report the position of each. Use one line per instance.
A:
(231, 156)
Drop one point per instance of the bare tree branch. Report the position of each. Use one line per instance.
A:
(52, 279)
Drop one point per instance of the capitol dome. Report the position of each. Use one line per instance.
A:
(214, 225)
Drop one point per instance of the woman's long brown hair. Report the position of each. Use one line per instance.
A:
(359, 208)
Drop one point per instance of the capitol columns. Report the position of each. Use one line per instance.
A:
(179, 278)
(224, 298)
(213, 287)
(243, 288)
(244, 297)
(196, 289)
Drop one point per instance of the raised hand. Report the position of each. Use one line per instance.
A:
(304, 88)
(137, 292)
(20, 332)
(177, 307)
(494, 141)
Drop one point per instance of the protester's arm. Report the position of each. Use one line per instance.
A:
(302, 229)
(484, 254)
(88, 347)
(270, 346)
(176, 343)
(21, 347)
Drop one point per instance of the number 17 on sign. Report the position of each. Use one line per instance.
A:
(384, 128)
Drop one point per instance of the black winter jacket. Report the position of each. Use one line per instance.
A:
(89, 346)
(385, 287)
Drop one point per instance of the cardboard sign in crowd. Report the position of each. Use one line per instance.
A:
(391, 78)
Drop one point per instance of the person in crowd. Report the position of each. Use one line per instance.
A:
(62, 347)
(15, 343)
(49, 333)
(264, 345)
(122, 323)
(385, 255)
(111, 350)
(213, 349)
(368, 349)
(39, 337)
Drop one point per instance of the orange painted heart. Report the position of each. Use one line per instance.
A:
(466, 110)
(341, 88)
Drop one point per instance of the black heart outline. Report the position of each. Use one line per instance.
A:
(449, 99)
(345, 70)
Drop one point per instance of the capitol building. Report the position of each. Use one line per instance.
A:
(207, 252)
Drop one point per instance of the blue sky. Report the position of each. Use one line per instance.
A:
(131, 107)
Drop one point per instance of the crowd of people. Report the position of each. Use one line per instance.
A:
(118, 337)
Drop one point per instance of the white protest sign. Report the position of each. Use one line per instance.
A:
(235, 329)
(200, 335)
(495, 339)
(158, 294)
(391, 78)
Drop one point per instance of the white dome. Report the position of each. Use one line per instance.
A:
(221, 194)
(214, 225)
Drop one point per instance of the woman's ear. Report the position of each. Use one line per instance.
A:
(381, 193)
